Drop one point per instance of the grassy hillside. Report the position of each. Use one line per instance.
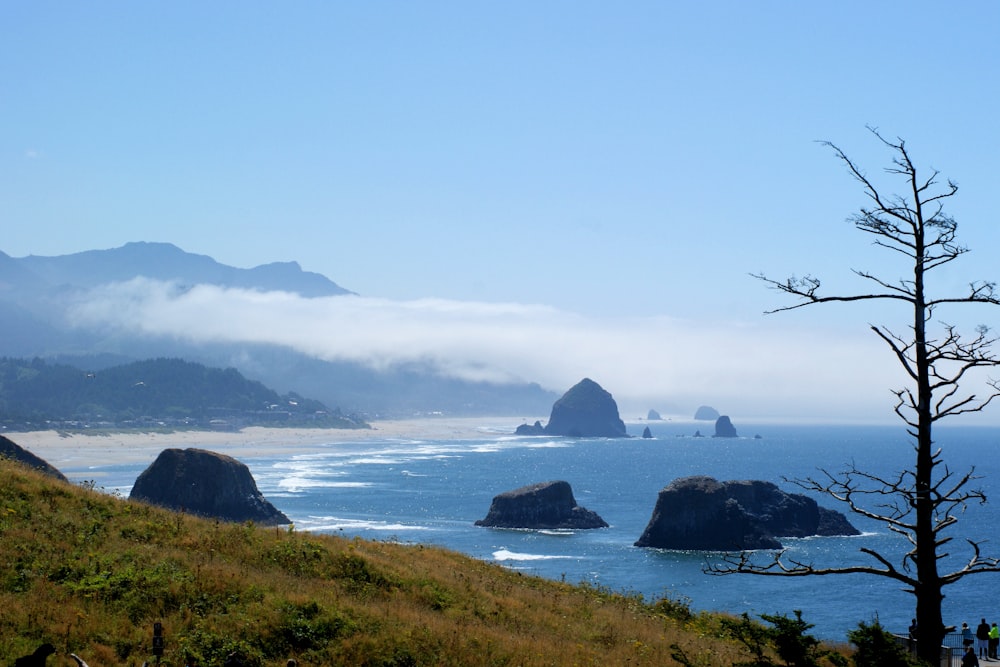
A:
(91, 573)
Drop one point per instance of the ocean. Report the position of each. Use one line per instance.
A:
(432, 492)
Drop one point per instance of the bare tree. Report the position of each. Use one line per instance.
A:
(921, 503)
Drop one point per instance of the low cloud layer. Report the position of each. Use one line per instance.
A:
(747, 369)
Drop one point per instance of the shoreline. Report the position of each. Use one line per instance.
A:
(75, 450)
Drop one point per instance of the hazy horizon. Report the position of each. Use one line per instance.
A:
(516, 192)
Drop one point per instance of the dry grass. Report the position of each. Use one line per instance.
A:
(91, 573)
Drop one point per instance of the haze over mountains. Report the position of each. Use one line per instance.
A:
(91, 309)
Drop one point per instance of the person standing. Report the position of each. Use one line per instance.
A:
(994, 642)
(983, 638)
(970, 659)
(968, 639)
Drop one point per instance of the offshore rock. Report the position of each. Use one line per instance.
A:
(706, 413)
(546, 505)
(11, 450)
(646, 433)
(653, 416)
(205, 483)
(701, 513)
(724, 428)
(586, 411)
(530, 429)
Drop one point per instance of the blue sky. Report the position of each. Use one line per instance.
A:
(543, 172)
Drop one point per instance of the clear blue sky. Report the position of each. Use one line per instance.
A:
(621, 167)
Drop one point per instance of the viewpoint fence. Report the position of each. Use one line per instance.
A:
(952, 648)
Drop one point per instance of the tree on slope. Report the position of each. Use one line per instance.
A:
(920, 503)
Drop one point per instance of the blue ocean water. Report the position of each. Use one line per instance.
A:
(432, 492)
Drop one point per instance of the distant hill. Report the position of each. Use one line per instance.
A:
(37, 294)
(165, 261)
(142, 394)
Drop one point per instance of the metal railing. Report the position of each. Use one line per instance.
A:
(952, 648)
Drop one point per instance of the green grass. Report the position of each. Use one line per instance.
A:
(91, 573)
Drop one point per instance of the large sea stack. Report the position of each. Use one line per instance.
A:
(547, 505)
(701, 513)
(586, 411)
(205, 483)
(724, 428)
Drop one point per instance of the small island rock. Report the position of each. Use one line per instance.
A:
(701, 513)
(646, 433)
(706, 414)
(530, 429)
(724, 428)
(207, 484)
(547, 505)
(11, 450)
(653, 416)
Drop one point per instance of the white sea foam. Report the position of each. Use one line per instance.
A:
(298, 483)
(504, 554)
(549, 444)
(331, 523)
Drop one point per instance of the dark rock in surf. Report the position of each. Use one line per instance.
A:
(205, 483)
(646, 433)
(547, 505)
(530, 429)
(701, 513)
(13, 451)
(653, 416)
(724, 428)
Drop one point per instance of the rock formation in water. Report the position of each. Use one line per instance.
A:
(724, 428)
(646, 433)
(547, 505)
(205, 483)
(706, 413)
(11, 450)
(586, 411)
(530, 429)
(653, 416)
(701, 513)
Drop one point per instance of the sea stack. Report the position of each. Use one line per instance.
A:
(586, 411)
(724, 428)
(205, 483)
(701, 513)
(547, 505)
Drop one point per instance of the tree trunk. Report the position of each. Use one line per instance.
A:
(930, 625)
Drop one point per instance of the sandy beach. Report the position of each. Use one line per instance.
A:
(69, 450)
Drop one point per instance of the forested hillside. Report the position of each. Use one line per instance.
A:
(165, 392)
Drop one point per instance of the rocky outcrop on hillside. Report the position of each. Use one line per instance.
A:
(205, 483)
(706, 413)
(11, 450)
(701, 513)
(586, 411)
(724, 428)
(547, 505)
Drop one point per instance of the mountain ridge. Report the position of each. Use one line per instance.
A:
(166, 261)
(37, 294)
